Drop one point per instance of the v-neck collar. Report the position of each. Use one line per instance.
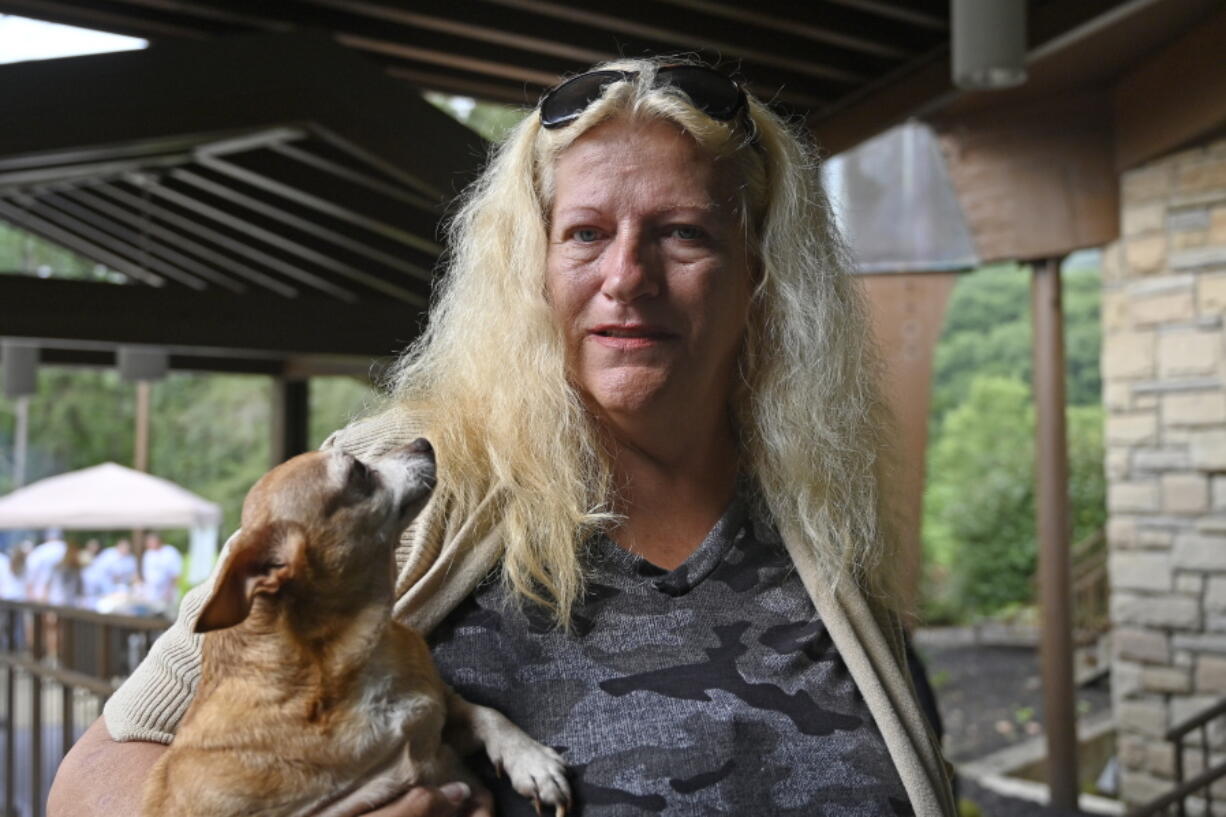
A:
(690, 573)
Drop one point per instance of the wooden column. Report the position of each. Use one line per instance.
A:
(291, 416)
(1051, 467)
(140, 454)
(907, 311)
(21, 437)
(140, 461)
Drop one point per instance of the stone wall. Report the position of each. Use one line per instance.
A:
(1164, 387)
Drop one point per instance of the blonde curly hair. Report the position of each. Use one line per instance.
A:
(488, 375)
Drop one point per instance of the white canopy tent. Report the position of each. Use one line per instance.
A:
(112, 497)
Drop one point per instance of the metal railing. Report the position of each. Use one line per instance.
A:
(1091, 589)
(1202, 782)
(58, 665)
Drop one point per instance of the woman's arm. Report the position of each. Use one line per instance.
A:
(102, 777)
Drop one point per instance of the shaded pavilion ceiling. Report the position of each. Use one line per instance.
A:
(850, 67)
(288, 139)
(264, 196)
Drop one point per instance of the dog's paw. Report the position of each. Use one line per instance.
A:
(536, 772)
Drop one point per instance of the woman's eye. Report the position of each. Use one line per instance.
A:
(687, 232)
(586, 234)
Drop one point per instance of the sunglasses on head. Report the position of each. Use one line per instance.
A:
(710, 91)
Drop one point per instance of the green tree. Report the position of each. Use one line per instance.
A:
(979, 505)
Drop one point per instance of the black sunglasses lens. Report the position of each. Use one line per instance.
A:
(710, 91)
(564, 103)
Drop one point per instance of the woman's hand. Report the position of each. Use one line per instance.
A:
(448, 800)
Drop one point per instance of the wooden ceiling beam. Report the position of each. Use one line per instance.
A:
(208, 320)
(204, 252)
(693, 35)
(817, 22)
(907, 13)
(428, 78)
(112, 17)
(1151, 120)
(498, 29)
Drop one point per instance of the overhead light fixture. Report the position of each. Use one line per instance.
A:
(20, 368)
(142, 363)
(989, 43)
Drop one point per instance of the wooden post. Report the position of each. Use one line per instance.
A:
(1051, 466)
(21, 436)
(140, 461)
(291, 414)
(140, 457)
(907, 312)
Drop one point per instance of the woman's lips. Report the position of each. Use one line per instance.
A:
(628, 336)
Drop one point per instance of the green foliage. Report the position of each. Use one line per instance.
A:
(491, 120)
(22, 252)
(987, 332)
(979, 511)
(208, 433)
(979, 521)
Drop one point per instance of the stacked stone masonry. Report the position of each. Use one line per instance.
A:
(1164, 390)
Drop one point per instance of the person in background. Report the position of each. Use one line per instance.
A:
(112, 571)
(41, 563)
(13, 587)
(65, 586)
(12, 574)
(161, 565)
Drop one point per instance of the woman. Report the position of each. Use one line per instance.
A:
(649, 384)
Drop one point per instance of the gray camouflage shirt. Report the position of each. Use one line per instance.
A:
(709, 689)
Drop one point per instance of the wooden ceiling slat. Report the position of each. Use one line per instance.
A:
(114, 17)
(208, 254)
(90, 231)
(368, 34)
(137, 239)
(692, 36)
(183, 213)
(314, 156)
(65, 238)
(434, 15)
(908, 12)
(200, 321)
(516, 28)
(167, 189)
(406, 226)
(395, 262)
(431, 79)
(446, 59)
(794, 25)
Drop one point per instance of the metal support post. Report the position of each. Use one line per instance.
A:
(1051, 466)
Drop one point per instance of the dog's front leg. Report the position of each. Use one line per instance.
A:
(535, 771)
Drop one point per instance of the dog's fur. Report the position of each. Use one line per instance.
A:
(312, 701)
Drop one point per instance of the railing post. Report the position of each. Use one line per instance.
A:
(1180, 808)
(67, 655)
(12, 621)
(36, 717)
(1051, 499)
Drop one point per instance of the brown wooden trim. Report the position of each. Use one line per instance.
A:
(1174, 97)
(210, 320)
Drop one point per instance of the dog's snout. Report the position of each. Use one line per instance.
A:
(421, 446)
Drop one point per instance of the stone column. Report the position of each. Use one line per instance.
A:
(1164, 390)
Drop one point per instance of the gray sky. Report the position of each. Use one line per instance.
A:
(24, 39)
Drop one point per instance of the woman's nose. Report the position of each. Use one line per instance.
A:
(629, 269)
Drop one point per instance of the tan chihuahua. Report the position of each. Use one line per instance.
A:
(312, 701)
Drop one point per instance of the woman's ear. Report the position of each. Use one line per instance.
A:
(263, 560)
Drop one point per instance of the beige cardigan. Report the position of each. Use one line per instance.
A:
(441, 561)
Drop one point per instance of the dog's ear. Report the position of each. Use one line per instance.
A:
(261, 561)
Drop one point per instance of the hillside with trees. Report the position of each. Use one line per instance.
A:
(979, 512)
